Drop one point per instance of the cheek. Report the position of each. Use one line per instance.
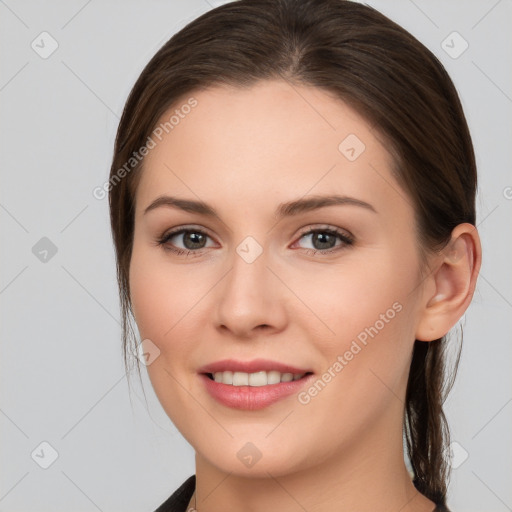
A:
(366, 360)
(161, 294)
(359, 293)
(163, 306)
(168, 304)
(159, 297)
(370, 312)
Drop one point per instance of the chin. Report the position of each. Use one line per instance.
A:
(254, 459)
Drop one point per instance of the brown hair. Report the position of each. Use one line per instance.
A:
(373, 65)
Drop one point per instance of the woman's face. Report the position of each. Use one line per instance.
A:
(249, 283)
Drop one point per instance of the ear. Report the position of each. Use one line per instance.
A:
(450, 287)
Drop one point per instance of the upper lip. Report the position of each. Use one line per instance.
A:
(256, 365)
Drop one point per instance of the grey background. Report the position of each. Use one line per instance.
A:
(62, 377)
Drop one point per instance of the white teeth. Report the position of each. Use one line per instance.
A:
(225, 377)
(273, 377)
(257, 379)
(240, 379)
(254, 379)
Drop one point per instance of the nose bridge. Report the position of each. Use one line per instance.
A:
(248, 278)
(248, 297)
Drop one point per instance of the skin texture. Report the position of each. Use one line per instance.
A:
(245, 151)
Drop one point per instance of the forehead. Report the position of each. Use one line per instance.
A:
(270, 140)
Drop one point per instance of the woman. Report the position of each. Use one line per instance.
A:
(292, 199)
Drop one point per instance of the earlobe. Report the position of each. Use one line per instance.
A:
(454, 281)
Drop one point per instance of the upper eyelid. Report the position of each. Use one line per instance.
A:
(324, 227)
(304, 230)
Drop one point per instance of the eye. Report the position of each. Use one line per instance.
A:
(192, 239)
(325, 240)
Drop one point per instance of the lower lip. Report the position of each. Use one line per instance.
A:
(252, 398)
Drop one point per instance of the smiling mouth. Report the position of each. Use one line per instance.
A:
(256, 379)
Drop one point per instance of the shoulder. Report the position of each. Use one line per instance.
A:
(180, 498)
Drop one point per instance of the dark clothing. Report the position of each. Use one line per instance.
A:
(179, 500)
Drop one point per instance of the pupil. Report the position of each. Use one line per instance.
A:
(322, 237)
(195, 238)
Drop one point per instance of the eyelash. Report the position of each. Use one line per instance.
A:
(346, 240)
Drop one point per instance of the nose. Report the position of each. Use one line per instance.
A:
(251, 300)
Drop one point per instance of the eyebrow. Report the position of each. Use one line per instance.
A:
(283, 210)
